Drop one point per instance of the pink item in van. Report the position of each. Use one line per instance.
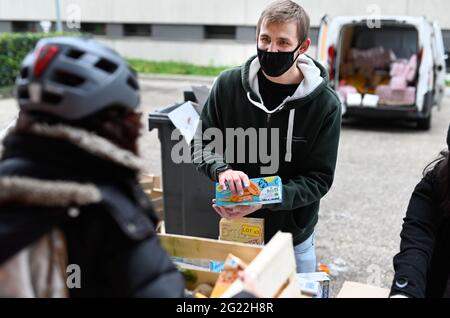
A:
(402, 72)
(396, 97)
(377, 57)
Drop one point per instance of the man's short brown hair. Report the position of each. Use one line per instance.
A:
(282, 11)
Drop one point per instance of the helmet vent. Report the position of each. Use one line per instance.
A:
(23, 93)
(51, 98)
(106, 66)
(75, 54)
(66, 78)
(24, 72)
(133, 83)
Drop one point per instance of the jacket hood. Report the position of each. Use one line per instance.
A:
(88, 141)
(314, 82)
(315, 79)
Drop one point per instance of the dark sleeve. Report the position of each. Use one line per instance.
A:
(412, 263)
(163, 280)
(22, 226)
(133, 268)
(206, 159)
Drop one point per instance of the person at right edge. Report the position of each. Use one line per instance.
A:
(279, 88)
(422, 267)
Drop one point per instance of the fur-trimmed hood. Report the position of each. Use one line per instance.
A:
(62, 192)
(29, 191)
(50, 175)
(90, 142)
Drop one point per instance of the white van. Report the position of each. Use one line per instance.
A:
(392, 67)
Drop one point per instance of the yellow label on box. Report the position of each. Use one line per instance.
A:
(251, 230)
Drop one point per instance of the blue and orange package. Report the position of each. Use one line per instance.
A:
(265, 190)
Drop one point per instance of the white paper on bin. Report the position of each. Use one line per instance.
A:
(186, 119)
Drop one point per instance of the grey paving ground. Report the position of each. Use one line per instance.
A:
(361, 217)
(378, 166)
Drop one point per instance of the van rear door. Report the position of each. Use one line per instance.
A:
(326, 52)
(439, 70)
(321, 52)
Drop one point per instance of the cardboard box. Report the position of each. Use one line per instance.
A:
(314, 285)
(370, 100)
(354, 99)
(265, 190)
(357, 290)
(243, 230)
(152, 187)
(272, 267)
(188, 247)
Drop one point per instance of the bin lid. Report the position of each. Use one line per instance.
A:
(160, 116)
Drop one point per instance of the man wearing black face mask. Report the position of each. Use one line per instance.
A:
(284, 95)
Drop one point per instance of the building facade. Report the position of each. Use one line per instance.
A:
(203, 32)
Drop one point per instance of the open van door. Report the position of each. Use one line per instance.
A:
(322, 46)
(439, 64)
(326, 50)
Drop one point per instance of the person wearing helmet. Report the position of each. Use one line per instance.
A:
(68, 177)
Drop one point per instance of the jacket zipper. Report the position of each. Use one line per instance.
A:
(269, 135)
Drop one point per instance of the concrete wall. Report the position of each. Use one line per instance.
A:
(178, 25)
(226, 53)
(227, 12)
(175, 32)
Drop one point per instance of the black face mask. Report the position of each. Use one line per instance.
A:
(276, 64)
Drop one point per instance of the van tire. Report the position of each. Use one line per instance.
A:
(424, 123)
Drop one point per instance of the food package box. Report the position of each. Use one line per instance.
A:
(229, 274)
(266, 190)
(314, 285)
(198, 264)
(243, 230)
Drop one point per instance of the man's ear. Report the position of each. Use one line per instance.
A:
(305, 46)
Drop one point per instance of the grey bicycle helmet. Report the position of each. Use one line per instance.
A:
(74, 77)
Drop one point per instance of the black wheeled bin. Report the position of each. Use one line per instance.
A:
(187, 193)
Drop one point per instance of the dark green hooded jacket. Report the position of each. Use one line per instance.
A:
(308, 124)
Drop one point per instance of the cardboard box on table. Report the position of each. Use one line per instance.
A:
(272, 267)
(358, 290)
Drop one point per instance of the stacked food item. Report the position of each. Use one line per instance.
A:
(379, 77)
